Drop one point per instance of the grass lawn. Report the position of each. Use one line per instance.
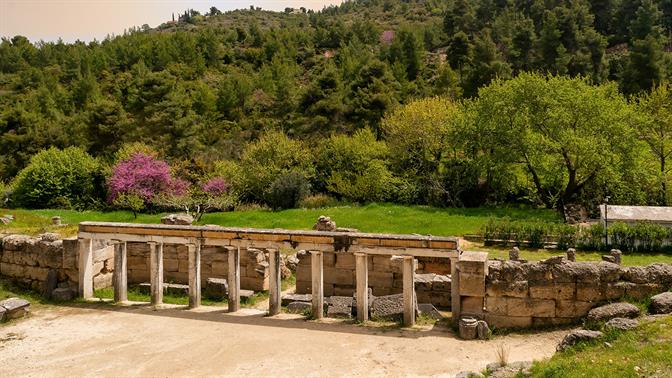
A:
(384, 218)
(643, 352)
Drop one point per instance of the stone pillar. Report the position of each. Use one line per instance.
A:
(362, 272)
(318, 284)
(85, 268)
(473, 268)
(274, 285)
(194, 275)
(455, 291)
(156, 271)
(409, 291)
(120, 275)
(234, 279)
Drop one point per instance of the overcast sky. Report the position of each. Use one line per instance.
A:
(88, 19)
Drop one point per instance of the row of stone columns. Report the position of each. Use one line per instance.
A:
(120, 275)
(362, 286)
(120, 278)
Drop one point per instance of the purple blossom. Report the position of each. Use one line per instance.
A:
(145, 177)
(215, 187)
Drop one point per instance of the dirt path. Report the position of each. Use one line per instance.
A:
(105, 340)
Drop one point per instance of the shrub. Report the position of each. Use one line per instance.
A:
(145, 177)
(288, 190)
(265, 161)
(5, 194)
(54, 178)
(210, 195)
(318, 201)
(132, 202)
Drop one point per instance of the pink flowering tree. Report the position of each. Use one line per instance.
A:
(210, 195)
(141, 181)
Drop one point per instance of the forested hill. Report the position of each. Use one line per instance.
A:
(198, 87)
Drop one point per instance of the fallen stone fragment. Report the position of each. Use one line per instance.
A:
(216, 288)
(482, 330)
(178, 219)
(3, 314)
(62, 294)
(613, 310)
(388, 307)
(289, 298)
(298, 307)
(661, 303)
(621, 324)
(575, 337)
(339, 307)
(468, 328)
(16, 307)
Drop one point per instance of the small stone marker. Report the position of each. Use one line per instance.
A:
(299, 307)
(324, 223)
(62, 294)
(514, 254)
(571, 254)
(616, 253)
(56, 221)
(15, 307)
(468, 329)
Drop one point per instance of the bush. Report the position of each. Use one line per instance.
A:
(54, 178)
(288, 190)
(210, 195)
(145, 177)
(317, 201)
(266, 160)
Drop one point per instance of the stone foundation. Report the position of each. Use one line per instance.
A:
(523, 295)
(28, 261)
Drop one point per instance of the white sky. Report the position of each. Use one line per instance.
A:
(88, 19)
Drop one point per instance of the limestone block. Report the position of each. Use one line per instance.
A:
(495, 305)
(345, 260)
(344, 290)
(6, 256)
(328, 259)
(137, 276)
(472, 284)
(561, 291)
(98, 266)
(499, 321)
(642, 291)
(303, 287)
(381, 291)
(183, 265)
(137, 263)
(69, 257)
(303, 273)
(572, 309)
(473, 262)
(178, 277)
(289, 298)
(37, 273)
(256, 284)
(442, 268)
(589, 292)
(340, 276)
(170, 265)
(553, 322)
(104, 253)
(101, 281)
(472, 305)
(612, 291)
(518, 289)
(542, 308)
(383, 279)
(15, 307)
(52, 255)
(328, 290)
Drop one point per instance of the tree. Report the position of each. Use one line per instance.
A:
(656, 131)
(563, 132)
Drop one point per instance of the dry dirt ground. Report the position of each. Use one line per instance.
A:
(106, 340)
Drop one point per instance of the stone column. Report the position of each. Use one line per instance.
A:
(362, 272)
(156, 272)
(234, 279)
(317, 273)
(194, 275)
(409, 291)
(85, 268)
(455, 301)
(275, 288)
(120, 274)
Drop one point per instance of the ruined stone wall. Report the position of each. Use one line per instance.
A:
(254, 266)
(28, 261)
(385, 277)
(557, 292)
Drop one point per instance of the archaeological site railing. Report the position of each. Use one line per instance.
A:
(402, 247)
